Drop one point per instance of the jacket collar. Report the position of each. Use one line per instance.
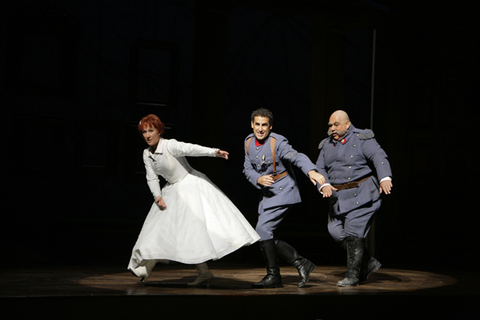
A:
(346, 137)
(159, 149)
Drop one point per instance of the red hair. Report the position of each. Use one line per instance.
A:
(151, 121)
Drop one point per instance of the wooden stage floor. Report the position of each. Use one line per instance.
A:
(98, 292)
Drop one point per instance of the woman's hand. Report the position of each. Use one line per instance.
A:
(160, 202)
(221, 154)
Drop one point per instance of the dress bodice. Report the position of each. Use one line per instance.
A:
(169, 161)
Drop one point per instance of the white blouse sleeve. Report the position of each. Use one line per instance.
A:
(152, 178)
(182, 149)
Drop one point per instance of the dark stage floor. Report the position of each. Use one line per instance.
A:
(94, 292)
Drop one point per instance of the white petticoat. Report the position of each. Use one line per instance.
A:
(199, 224)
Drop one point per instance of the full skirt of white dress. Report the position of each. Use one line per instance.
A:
(199, 224)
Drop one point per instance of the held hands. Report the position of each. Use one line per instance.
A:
(386, 186)
(328, 191)
(316, 177)
(221, 154)
(160, 202)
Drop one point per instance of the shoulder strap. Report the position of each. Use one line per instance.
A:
(366, 135)
(320, 146)
(272, 146)
(248, 144)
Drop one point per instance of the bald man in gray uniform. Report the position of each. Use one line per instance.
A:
(357, 173)
(267, 166)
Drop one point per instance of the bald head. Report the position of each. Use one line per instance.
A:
(340, 115)
(338, 124)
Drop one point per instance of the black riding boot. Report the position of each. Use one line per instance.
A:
(303, 265)
(355, 249)
(273, 279)
(369, 265)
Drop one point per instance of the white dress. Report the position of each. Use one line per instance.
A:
(200, 223)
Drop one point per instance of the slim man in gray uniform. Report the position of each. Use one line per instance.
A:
(268, 159)
(357, 172)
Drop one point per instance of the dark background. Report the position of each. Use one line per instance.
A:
(76, 77)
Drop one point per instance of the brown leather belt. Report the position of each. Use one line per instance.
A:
(349, 185)
(280, 175)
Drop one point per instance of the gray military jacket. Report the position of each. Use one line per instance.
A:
(258, 162)
(356, 156)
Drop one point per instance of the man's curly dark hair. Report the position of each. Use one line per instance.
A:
(262, 112)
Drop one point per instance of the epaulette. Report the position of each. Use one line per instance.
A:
(277, 136)
(320, 146)
(366, 135)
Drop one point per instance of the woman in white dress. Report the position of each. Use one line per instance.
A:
(191, 221)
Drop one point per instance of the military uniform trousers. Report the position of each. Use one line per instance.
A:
(355, 223)
(269, 219)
